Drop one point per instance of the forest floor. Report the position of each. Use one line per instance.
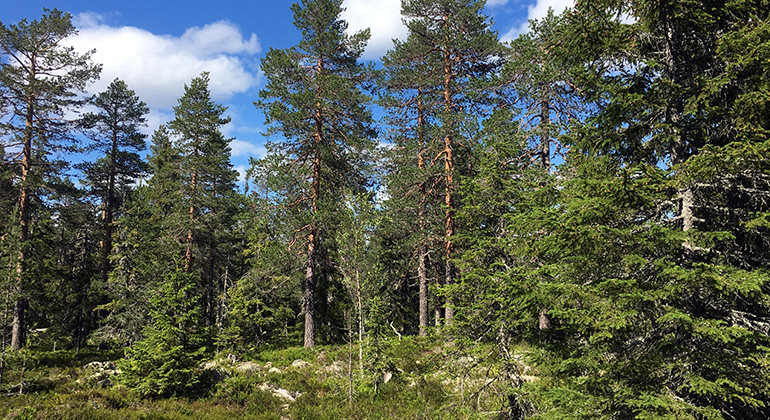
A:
(411, 378)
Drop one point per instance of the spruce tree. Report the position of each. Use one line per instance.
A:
(645, 253)
(166, 362)
(314, 98)
(41, 77)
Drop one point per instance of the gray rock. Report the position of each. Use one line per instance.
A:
(283, 394)
(247, 367)
(337, 368)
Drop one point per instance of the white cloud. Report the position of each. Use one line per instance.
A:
(537, 10)
(158, 66)
(383, 17)
(245, 148)
(494, 3)
(241, 173)
(155, 118)
(88, 20)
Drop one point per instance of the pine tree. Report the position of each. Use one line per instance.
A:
(208, 187)
(536, 84)
(313, 98)
(42, 78)
(114, 130)
(204, 151)
(409, 86)
(466, 52)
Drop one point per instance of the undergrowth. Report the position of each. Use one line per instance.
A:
(398, 379)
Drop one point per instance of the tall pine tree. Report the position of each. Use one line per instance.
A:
(409, 94)
(465, 51)
(314, 98)
(114, 131)
(207, 188)
(41, 77)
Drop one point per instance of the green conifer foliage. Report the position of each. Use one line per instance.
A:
(314, 99)
(166, 362)
(146, 246)
(464, 52)
(263, 303)
(41, 78)
(644, 251)
(114, 130)
(207, 190)
(410, 96)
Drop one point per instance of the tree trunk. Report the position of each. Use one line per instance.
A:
(423, 280)
(679, 150)
(544, 319)
(360, 323)
(312, 240)
(188, 250)
(545, 135)
(422, 272)
(17, 332)
(109, 209)
(449, 271)
(310, 284)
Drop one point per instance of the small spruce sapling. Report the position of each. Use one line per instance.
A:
(166, 362)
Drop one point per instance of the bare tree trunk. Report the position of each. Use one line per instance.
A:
(423, 280)
(109, 209)
(310, 283)
(17, 332)
(422, 272)
(438, 312)
(449, 271)
(18, 329)
(189, 243)
(350, 358)
(360, 323)
(544, 319)
(312, 240)
(193, 191)
(4, 341)
(688, 219)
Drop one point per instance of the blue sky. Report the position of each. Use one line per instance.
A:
(158, 46)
